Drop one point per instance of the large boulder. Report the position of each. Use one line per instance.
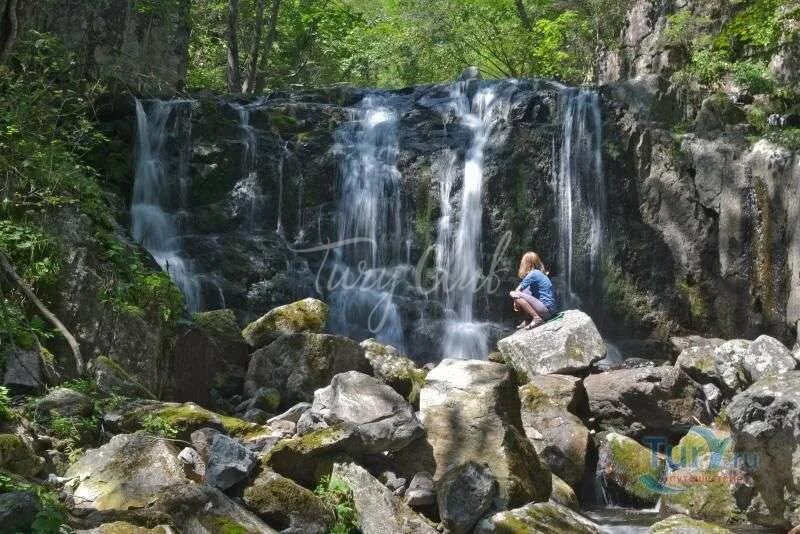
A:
(127, 472)
(626, 470)
(568, 344)
(765, 423)
(65, 402)
(538, 518)
(381, 419)
(379, 510)
(17, 456)
(307, 315)
(210, 357)
(112, 379)
(24, 371)
(394, 368)
(654, 400)
(465, 494)
(298, 364)
(18, 511)
(307, 458)
(559, 436)
(704, 477)
(739, 362)
(287, 505)
(470, 410)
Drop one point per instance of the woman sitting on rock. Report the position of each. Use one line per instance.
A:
(534, 296)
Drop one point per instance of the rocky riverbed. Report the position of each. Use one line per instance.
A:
(312, 432)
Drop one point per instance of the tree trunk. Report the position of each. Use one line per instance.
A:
(234, 73)
(255, 47)
(9, 26)
(272, 36)
(47, 314)
(523, 15)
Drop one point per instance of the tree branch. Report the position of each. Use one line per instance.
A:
(46, 313)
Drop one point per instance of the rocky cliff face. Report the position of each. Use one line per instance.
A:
(144, 45)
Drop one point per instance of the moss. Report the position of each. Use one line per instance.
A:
(707, 495)
(533, 398)
(189, 417)
(423, 226)
(630, 462)
(16, 457)
(680, 523)
(118, 370)
(511, 524)
(693, 294)
(225, 525)
(220, 323)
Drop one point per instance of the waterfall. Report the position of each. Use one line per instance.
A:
(369, 224)
(249, 187)
(458, 245)
(581, 193)
(159, 189)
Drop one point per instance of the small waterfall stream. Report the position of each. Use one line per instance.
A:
(160, 186)
(581, 194)
(249, 187)
(370, 232)
(459, 242)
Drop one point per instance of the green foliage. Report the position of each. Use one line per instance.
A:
(336, 494)
(395, 43)
(786, 137)
(157, 425)
(752, 76)
(6, 412)
(51, 518)
(87, 386)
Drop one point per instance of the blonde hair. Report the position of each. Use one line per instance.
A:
(529, 262)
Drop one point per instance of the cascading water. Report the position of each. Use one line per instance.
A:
(249, 188)
(458, 247)
(370, 230)
(581, 193)
(159, 189)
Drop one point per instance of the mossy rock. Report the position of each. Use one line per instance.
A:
(275, 497)
(220, 323)
(563, 494)
(627, 465)
(306, 458)
(112, 379)
(307, 315)
(183, 418)
(681, 524)
(18, 457)
(395, 369)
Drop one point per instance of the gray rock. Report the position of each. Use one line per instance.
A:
(379, 511)
(465, 494)
(394, 368)
(287, 504)
(559, 436)
(382, 420)
(651, 400)
(420, 491)
(699, 363)
(112, 379)
(255, 415)
(210, 357)
(193, 462)
(681, 343)
(17, 454)
(24, 373)
(539, 518)
(765, 423)
(127, 472)
(18, 510)
(682, 524)
(564, 495)
(65, 402)
(470, 410)
(569, 344)
(307, 315)
(293, 414)
(739, 362)
(298, 364)
(202, 439)
(229, 462)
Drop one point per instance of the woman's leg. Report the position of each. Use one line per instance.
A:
(525, 307)
(539, 309)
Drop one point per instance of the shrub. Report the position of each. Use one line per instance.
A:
(336, 494)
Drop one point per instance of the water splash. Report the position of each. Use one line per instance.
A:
(581, 193)
(159, 190)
